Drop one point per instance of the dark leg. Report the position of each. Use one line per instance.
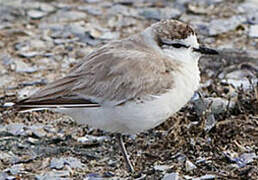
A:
(124, 152)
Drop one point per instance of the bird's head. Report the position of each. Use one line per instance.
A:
(178, 39)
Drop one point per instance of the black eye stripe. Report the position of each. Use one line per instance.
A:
(178, 45)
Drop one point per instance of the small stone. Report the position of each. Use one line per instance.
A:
(161, 167)
(15, 169)
(35, 14)
(70, 161)
(92, 1)
(171, 176)
(245, 158)
(22, 67)
(5, 80)
(91, 10)
(46, 7)
(29, 54)
(54, 175)
(253, 32)
(219, 26)
(88, 139)
(73, 162)
(57, 163)
(110, 35)
(3, 175)
(189, 166)
(159, 14)
(38, 131)
(246, 84)
(32, 140)
(16, 129)
(207, 177)
(66, 16)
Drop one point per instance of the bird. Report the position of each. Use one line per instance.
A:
(130, 85)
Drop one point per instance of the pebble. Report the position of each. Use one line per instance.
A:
(219, 26)
(189, 166)
(95, 11)
(61, 162)
(38, 130)
(159, 14)
(3, 175)
(241, 160)
(15, 169)
(246, 158)
(207, 177)
(88, 139)
(22, 67)
(66, 16)
(29, 54)
(46, 7)
(161, 167)
(5, 80)
(241, 83)
(253, 32)
(16, 129)
(171, 176)
(54, 175)
(36, 14)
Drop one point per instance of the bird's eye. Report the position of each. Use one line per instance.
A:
(178, 45)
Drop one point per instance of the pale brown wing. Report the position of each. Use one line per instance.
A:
(120, 71)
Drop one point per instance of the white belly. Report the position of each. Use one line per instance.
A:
(134, 117)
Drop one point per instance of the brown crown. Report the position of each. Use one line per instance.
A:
(172, 29)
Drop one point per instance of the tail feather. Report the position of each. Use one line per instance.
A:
(28, 105)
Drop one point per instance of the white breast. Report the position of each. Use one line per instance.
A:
(134, 117)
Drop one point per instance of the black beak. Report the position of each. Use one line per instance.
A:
(204, 50)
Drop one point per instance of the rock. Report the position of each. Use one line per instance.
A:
(61, 162)
(73, 162)
(54, 175)
(159, 14)
(208, 177)
(88, 139)
(57, 163)
(218, 105)
(219, 26)
(253, 32)
(245, 158)
(36, 14)
(28, 54)
(38, 131)
(171, 176)
(91, 10)
(22, 67)
(245, 79)
(46, 7)
(66, 16)
(161, 167)
(189, 166)
(92, 1)
(110, 35)
(3, 176)
(123, 10)
(5, 80)
(16, 129)
(15, 169)
(8, 158)
(253, 18)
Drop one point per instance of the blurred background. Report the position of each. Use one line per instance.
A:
(214, 137)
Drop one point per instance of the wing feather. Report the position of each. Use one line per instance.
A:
(120, 71)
